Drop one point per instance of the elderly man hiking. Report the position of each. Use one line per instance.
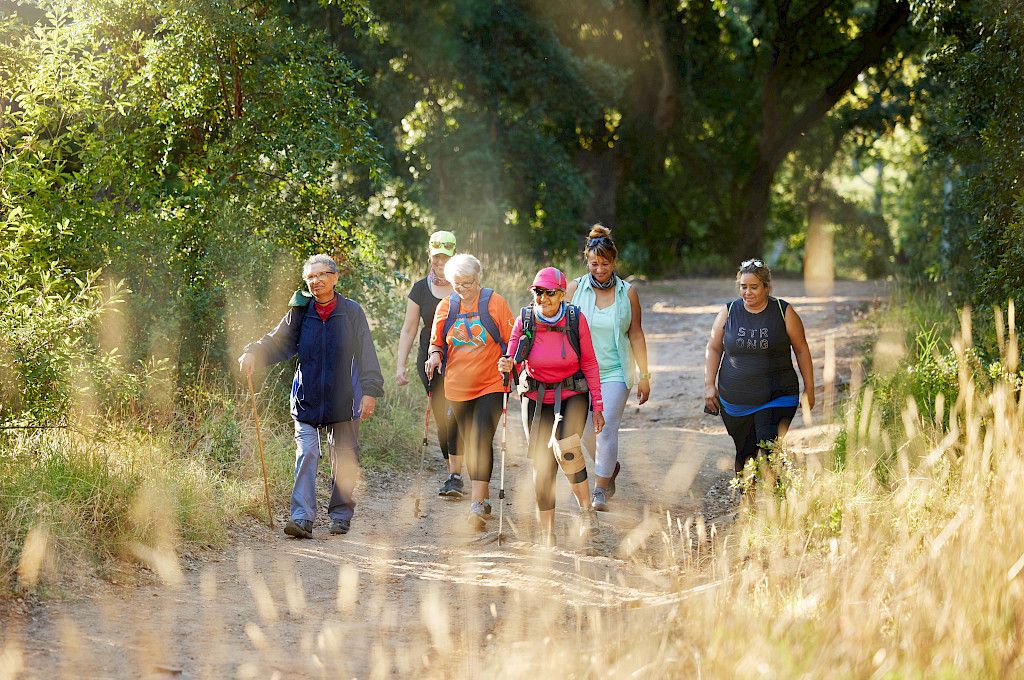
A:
(337, 383)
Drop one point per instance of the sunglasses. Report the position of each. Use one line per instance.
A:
(442, 244)
(753, 262)
(544, 292)
(598, 241)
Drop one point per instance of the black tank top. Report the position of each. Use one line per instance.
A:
(422, 295)
(757, 364)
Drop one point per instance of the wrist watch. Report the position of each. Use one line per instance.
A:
(646, 375)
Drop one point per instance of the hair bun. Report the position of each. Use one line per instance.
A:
(599, 230)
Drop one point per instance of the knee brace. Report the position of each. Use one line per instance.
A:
(569, 454)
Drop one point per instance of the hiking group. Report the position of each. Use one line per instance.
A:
(574, 356)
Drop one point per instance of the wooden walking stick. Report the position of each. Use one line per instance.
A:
(259, 444)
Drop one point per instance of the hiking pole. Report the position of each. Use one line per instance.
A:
(504, 448)
(259, 443)
(423, 451)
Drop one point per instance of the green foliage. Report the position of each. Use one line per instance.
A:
(46, 327)
(975, 129)
(187, 147)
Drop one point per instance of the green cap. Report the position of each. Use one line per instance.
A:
(442, 242)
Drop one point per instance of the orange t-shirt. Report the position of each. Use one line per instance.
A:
(472, 367)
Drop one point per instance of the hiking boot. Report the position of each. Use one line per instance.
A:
(299, 528)
(453, 488)
(611, 482)
(587, 523)
(340, 526)
(479, 512)
(599, 499)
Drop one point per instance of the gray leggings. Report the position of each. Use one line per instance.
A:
(606, 453)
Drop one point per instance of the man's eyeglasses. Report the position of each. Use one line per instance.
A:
(544, 292)
(752, 263)
(463, 284)
(321, 276)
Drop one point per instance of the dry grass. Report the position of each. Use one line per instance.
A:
(827, 573)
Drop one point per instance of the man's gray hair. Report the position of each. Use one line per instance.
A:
(462, 264)
(325, 260)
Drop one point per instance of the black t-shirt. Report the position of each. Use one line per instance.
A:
(421, 295)
(757, 365)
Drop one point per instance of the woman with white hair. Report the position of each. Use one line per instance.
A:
(471, 330)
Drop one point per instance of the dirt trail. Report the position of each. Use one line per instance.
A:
(399, 594)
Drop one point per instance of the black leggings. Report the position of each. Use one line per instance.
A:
(545, 467)
(447, 430)
(748, 431)
(477, 420)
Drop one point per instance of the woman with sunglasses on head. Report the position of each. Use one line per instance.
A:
(612, 309)
(551, 342)
(469, 333)
(748, 372)
(421, 305)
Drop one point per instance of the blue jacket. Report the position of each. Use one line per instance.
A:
(337, 361)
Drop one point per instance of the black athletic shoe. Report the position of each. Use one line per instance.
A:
(299, 528)
(611, 482)
(453, 488)
(340, 526)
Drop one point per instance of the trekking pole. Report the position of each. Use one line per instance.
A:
(259, 443)
(504, 448)
(423, 450)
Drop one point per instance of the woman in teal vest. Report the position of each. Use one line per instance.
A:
(612, 308)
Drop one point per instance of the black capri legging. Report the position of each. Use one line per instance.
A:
(447, 429)
(748, 431)
(477, 421)
(545, 467)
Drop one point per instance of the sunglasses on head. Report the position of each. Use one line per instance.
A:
(598, 240)
(752, 263)
(442, 244)
(544, 292)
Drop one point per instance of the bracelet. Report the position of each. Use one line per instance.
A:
(434, 351)
(646, 375)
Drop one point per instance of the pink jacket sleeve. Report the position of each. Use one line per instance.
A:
(588, 363)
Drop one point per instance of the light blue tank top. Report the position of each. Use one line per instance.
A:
(604, 325)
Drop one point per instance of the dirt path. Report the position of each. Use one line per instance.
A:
(402, 596)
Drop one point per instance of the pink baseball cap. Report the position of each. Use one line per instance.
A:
(550, 278)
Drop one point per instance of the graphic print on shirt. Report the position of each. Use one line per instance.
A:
(468, 333)
(751, 338)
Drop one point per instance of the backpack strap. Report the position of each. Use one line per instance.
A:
(454, 307)
(572, 327)
(781, 308)
(526, 338)
(485, 318)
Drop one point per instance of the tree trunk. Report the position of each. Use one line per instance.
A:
(748, 230)
(819, 251)
(604, 172)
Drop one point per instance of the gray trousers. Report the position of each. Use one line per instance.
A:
(343, 445)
